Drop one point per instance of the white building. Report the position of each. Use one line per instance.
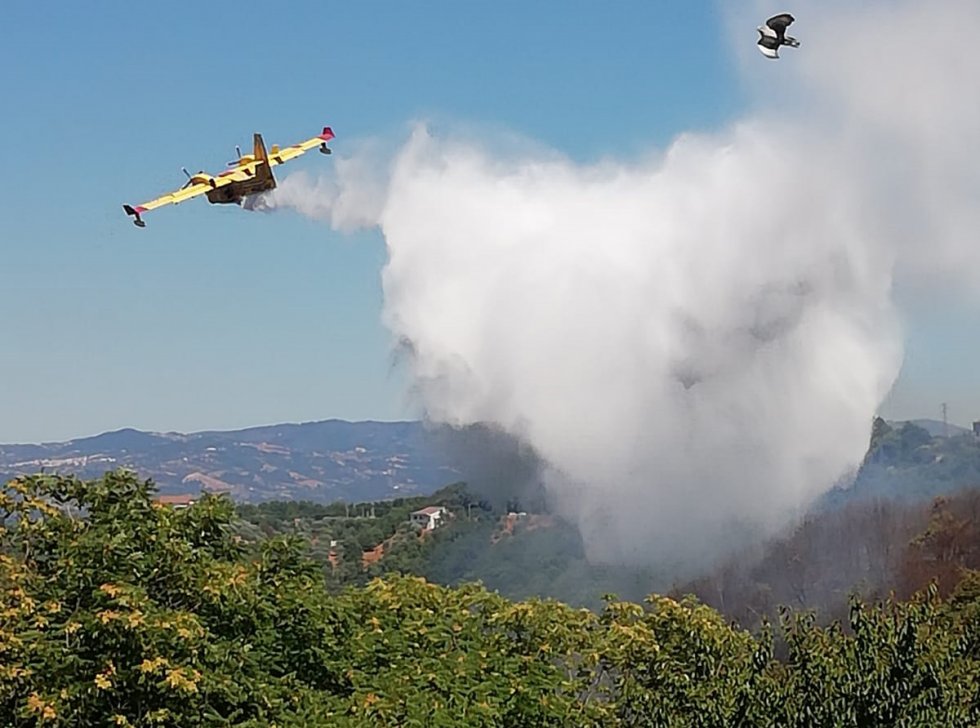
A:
(428, 518)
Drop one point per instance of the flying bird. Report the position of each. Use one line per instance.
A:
(773, 34)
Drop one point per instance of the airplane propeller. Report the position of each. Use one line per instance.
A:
(187, 183)
(238, 150)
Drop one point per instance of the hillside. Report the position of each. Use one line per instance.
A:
(518, 555)
(904, 461)
(317, 461)
(871, 548)
(856, 539)
(870, 537)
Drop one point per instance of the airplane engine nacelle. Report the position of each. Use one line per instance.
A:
(202, 179)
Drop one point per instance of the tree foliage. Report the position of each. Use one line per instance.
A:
(117, 611)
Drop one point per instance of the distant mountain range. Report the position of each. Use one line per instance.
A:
(335, 460)
(318, 461)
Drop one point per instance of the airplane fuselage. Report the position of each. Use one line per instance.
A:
(236, 191)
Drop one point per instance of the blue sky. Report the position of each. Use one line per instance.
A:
(215, 318)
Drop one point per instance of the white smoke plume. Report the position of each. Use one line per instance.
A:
(696, 342)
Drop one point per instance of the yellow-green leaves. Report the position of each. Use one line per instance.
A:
(115, 612)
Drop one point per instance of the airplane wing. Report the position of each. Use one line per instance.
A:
(281, 156)
(198, 184)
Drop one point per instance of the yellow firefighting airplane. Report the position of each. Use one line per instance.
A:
(250, 174)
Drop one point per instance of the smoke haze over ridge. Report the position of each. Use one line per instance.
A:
(696, 342)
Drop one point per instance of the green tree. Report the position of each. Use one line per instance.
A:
(115, 610)
(120, 611)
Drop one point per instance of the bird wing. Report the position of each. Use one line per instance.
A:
(780, 23)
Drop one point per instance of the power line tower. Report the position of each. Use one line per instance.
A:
(945, 423)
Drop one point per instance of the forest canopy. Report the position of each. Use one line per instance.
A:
(117, 610)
